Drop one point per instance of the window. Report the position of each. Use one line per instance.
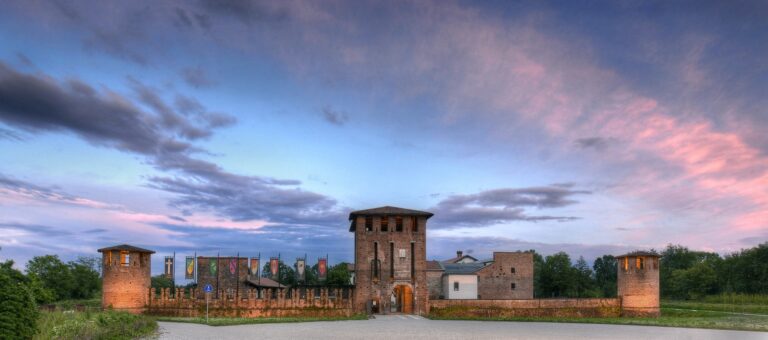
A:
(413, 262)
(626, 263)
(125, 258)
(108, 262)
(375, 264)
(384, 223)
(455, 286)
(415, 226)
(399, 224)
(368, 224)
(639, 264)
(655, 263)
(391, 260)
(512, 270)
(513, 286)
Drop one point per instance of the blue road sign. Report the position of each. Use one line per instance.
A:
(208, 288)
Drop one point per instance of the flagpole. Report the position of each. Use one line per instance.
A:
(217, 275)
(258, 270)
(194, 269)
(237, 279)
(173, 273)
(278, 270)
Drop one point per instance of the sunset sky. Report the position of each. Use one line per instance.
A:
(227, 126)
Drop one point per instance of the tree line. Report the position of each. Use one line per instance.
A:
(49, 279)
(683, 274)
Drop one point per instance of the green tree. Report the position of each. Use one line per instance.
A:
(606, 268)
(745, 271)
(585, 282)
(339, 274)
(693, 283)
(18, 311)
(85, 277)
(161, 281)
(54, 274)
(41, 294)
(538, 264)
(676, 258)
(558, 277)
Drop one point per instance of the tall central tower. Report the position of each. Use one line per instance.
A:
(390, 260)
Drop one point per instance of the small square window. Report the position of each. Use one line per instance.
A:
(456, 286)
(398, 224)
(513, 286)
(125, 258)
(512, 270)
(368, 224)
(384, 224)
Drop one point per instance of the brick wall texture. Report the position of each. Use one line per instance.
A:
(495, 281)
(367, 288)
(526, 308)
(125, 287)
(228, 283)
(639, 288)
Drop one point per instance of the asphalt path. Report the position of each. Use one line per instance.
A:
(397, 327)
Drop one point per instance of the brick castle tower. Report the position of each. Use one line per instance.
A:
(126, 277)
(638, 283)
(390, 260)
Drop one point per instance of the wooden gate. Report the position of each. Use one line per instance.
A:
(404, 299)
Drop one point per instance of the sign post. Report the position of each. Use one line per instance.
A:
(207, 289)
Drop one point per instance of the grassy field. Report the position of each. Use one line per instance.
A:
(669, 318)
(720, 307)
(94, 325)
(244, 321)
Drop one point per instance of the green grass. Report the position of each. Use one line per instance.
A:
(94, 325)
(245, 321)
(669, 318)
(721, 307)
(70, 304)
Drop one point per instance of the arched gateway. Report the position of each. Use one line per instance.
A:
(390, 260)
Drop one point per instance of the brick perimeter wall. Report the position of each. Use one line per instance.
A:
(526, 308)
(189, 304)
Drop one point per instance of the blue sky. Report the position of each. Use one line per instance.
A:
(256, 127)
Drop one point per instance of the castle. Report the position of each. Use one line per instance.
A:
(391, 275)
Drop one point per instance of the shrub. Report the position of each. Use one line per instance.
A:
(18, 312)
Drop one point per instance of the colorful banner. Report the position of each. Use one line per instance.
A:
(168, 267)
(300, 266)
(274, 265)
(213, 265)
(232, 266)
(255, 266)
(189, 273)
(322, 268)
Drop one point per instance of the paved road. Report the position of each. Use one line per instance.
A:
(413, 327)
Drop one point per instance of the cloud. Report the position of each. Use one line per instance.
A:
(24, 59)
(196, 77)
(334, 117)
(164, 136)
(35, 229)
(597, 143)
(10, 135)
(504, 205)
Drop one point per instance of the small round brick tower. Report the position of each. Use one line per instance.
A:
(126, 278)
(638, 283)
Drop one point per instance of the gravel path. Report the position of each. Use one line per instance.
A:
(397, 327)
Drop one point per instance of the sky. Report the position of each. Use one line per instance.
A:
(239, 127)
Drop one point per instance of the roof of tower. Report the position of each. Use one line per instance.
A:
(126, 247)
(640, 253)
(386, 211)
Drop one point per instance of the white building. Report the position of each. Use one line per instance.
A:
(460, 280)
